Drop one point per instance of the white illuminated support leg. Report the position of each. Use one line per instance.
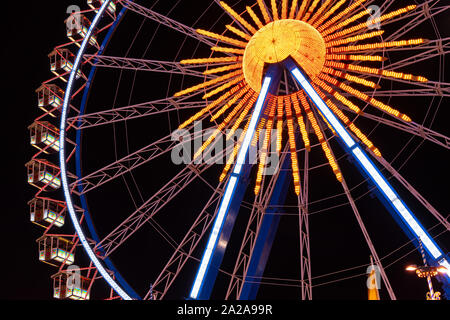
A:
(372, 171)
(230, 190)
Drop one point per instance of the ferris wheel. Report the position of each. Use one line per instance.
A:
(191, 139)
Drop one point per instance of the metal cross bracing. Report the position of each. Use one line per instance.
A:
(130, 162)
(410, 127)
(136, 111)
(258, 210)
(303, 227)
(153, 205)
(146, 65)
(361, 224)
(166, 21)
(185, 249)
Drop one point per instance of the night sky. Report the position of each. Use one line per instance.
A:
(336, 240)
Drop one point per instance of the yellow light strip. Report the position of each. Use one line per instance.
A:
(348, 77)
(301, 123)
(302, 9)
(241, 103)
(261, 125)
(237, 17)
(228, 50)
(354, 38)
(238, 32)
(232, 101)
(344, 23)
(361, 136)
(219, 129)
(354, 57)
(223, 69)
(221, 38)
(380, 45)
(211, 106)
(267, 138)
(370, 22)
(292, 145)
(254, 17)
(208, 83)
(328, 13)
(319, 12)
(310, 10)
(368, 99)
(273, 4)
(226, 85)
(341, 14)
(284, 9)
(337, 95)
(293, 8)
(320, 137)
(264, 12)
(386, 73)
(279, 123)
(233, 156)
(249, 105)
(212, 60)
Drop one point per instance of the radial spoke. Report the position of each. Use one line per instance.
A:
(366, 235)
(414, 192)
(442, 48)
(166, 21)
(424, 12)
(187, 246)
(133, 112)
(152, 206)
(411, 128)
(259, 208)
(128, 163)
(146, 65)
(437, 91)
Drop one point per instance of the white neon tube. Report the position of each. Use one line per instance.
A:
(397, 203)
(62, 160)
(327, 113)
(229, 190)
(370, 168)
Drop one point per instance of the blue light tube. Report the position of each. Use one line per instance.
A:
(229, 191)
(62, 159)
(372, 171)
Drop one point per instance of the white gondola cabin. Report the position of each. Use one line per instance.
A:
(55, 250)
(77, 29)
(42, 173)
(96, 4)
(44, 136)
(45, 211)
(50, 99)
(70, 285)
(61, 63)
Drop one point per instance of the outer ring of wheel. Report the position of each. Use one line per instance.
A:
(119, 285)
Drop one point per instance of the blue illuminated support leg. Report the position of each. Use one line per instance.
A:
(266, 234)
(405, 217)
(230, 203)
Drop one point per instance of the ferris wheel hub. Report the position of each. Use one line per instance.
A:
(280, 40)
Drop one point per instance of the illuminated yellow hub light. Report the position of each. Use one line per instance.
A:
(320, 37)
(279, 40)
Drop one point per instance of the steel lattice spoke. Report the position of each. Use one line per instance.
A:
(186, 247)
(162, 19)
(136, 111)
(145, 65)
(153, 205)
(127, 164)
(259, 208)
(412, 128)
